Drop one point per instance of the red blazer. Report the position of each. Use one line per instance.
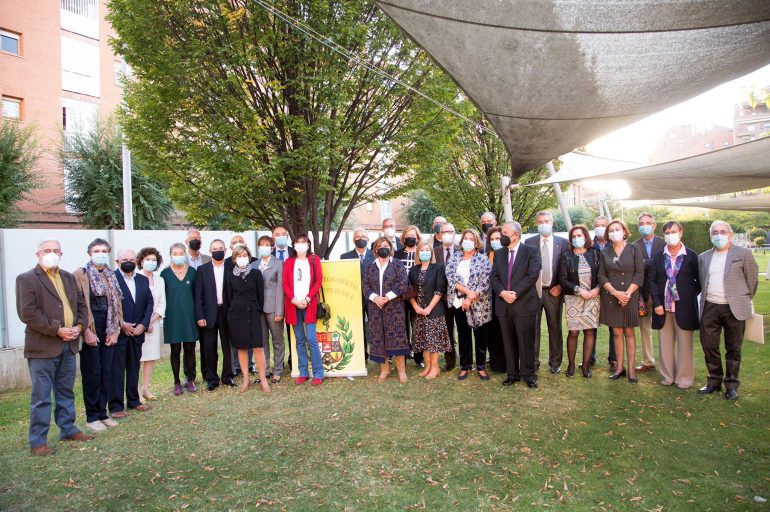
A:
(290, 310)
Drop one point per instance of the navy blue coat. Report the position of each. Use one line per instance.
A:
(688, 286)
(136, 311)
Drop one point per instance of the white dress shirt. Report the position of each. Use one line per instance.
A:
(219, 279)
(390, 295)
(130, 283)
(301, 278)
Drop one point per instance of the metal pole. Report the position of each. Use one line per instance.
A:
(507, 208)
(560, 197)
(128, 205)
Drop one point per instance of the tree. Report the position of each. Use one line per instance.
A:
(240, 111)
(470, 183)
(577, 214)
(18, 155)
(421, 211)
(93, 164)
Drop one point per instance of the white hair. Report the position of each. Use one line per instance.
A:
(720, 222)
(515, 226)
(544, 212)
(494, 217)
(122, 252)
(361, 228)
(47, 240)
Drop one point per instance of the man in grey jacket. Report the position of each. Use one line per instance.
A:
(729, 275)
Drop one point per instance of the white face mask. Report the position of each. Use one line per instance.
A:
(616, 236)
(150, 265)
(389, 232)
(51, 260)
(448, 238)
(600, 230)
(301, 248)
(673, 239)
(242, 261)
(264, 251)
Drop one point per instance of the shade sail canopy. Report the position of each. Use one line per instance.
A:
(743, 203)
(553, 75)
(733, 169)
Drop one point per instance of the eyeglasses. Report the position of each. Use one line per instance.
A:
(720, 232)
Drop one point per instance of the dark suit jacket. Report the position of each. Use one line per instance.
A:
(658, 244)
(136, 310)
(205, 291)
(526, 272)
(568, 270)
(353, 255)
(440, 253)
(289, 253)
(687, 284)
(40, 308)
(435, 281)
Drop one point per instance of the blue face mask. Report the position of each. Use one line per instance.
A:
(149, 265)
(468, 245)
(282, 241)
(178, 260)
(578, 243)
(100, 258)
(545, 229)
(645, 230)
(719, 241)
(424, 255)
(264, 251)
(495, 244)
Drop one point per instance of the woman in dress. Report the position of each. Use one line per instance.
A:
(469, 288)
(272, 308)
(179, 327)
(494, 336)
(242, 305)
(579, 279)
(407, 255)
(149, 260)
(429, 332)
(384, 286)
(674, 284)
(621, 274)
(302, 279)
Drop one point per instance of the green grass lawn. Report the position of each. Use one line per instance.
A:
(572, 444)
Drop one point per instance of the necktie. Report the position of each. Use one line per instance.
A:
(545, 256)
(361, 258)
(448, 255)
(511, 257)
(280, 254)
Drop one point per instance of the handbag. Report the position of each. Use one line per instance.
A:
(754, 328)
(323, 311)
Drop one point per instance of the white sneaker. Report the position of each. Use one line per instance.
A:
(109, 422)
(96, 426)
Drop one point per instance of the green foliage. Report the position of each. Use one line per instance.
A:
(753, 233)
(421, 211)
(470, 183)
(661, 214)
(577, 214)
(741, 221)
(93, 164)
(759, 241)
(18, 155)
(253, 124)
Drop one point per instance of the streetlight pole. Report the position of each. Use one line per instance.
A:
(128, 205)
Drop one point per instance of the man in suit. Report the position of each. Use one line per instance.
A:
(281, 247)
(137, 312)
(552, 249)
(365, 258)
(729, 276)
(514, 278)
(443, 255)
(194, 257)
(649, 244)
(389, 232)
(49, 302)
(437, 223)
(209, 291)
(487, 221)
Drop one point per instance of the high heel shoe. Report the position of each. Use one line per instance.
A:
(616, 376)
(570, 371)
(633, 380)
(587, 374)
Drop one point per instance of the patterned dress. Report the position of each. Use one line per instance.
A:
(429, 334)
(582, 314)
(387, 326)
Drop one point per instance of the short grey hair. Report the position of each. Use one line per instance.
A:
(177, 245)
(544, 212)
(720, 222)
(123, 251)
(217, 240)
(361, 228)
(645, 214)
(43, 242)
(494, 217)
(515, 226)
(602, 217)
(448, 224)
(440, 219)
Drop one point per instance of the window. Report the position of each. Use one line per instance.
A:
(80, 66)
(81, 17)
(84, 8)
(11, 108)
(9, 42)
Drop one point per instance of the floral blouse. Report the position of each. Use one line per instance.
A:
(480, 311)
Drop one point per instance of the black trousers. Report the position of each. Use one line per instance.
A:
(189, 360)
(553, 309)
(715, 318)
(95, 369)
(467, 336)
(125, 375)
(451, 357)
(210, 337)
(518, 334)
(495, 346)
(409, 316)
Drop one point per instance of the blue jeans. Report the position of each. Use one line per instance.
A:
(305, 336)
(56, 374)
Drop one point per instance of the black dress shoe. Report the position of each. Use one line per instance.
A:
(463, 374)
(229, 383)
(587, 374)
(708, 389)
(212, 386)
(510, 381)
(532, 384)
(555, 369)
(731, 394)
(570, 371)
(449, 368)
(616, 376)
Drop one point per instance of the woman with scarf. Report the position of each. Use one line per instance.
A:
(105, 316)
(674, 285)
(242, 304)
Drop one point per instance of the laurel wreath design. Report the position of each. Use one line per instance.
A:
(347, 345)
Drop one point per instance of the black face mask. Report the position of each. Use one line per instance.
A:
(410, 241)
(437, 228)
(218, 255)
(361, 243)
(505, 240)
(485, 227)
(383, 252)
(128, 266)
(194, 244)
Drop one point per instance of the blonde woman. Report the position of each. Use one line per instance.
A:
(407, 255)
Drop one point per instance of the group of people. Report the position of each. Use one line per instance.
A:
(491, 288)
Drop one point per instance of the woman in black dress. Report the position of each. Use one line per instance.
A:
(242, 304)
